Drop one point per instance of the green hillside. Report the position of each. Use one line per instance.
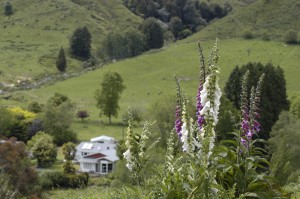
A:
(34, 33)
(262, 17)
(30, 39)
(151, 75)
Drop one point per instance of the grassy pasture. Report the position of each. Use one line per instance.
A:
(150, 77)
(30, 39)
(262, 17)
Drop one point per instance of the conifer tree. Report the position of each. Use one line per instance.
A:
(80, 43)
(61, 62)
(273, 98)
(7, 8)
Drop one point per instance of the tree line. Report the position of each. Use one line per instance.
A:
(191, 15)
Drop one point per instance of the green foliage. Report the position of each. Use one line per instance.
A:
(120, 45)
(68, 167)
(265, 36)
(16, 122)
(228, 117)
(61, 180)
(121, 173)
(8, 10)
(184, 33)
(136, 116)
(80, 43)
(121, 149)
(291, 37)
(247, 34)
(294, 189)
(107, 97)
(285, 149)
(176, 26)
(69, 151)
(154, 36)
(61, 61)
(43, 149)
(162, 112)
(205, 169)
(273, 98)
(6, 121)
(137, 153)
(6, 190)
(58, 117)
(190, 13)
(295, 107)
(35, 107)
(15, 164)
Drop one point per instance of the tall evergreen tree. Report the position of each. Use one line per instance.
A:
(273, 95)
(61, 62)
(8, 8)
(80, 43)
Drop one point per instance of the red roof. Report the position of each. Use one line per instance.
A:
(95, 156)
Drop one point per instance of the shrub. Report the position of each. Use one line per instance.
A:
(59, 179)
(82, 115)
(35, 107)
(184, 34)
(43, 149)
(290, 37)
(265, 36)
(69, 150)
(247, 34)
(69, 168)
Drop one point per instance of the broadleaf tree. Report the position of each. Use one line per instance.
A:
(107, 97)
(154, 35)
(285, 149)
(58, 117)
(43, 149)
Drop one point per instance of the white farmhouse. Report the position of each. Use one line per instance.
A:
(97, 156)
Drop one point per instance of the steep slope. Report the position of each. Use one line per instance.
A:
(31, 38)
(270, 18)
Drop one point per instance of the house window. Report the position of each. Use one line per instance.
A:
(110, 167)
(104, 168)
(87, 165)
(84, 153)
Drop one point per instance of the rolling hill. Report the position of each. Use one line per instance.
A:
(271, 18)
(30, 39)
(149, 77)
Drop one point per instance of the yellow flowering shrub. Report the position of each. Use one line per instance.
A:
(24, 114)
